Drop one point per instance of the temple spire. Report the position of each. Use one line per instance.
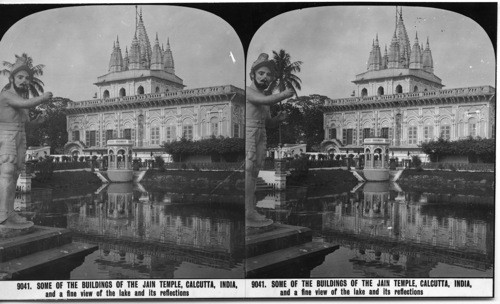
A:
(135, 54)
(375, 61)
(168, 58)
(427, 61)
(394, 53)
(157, 56)
(116, 60)
(416, 55)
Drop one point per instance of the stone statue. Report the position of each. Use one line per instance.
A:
(258, 116)
(14, 105)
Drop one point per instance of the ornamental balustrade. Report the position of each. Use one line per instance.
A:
(217, 90)
(421, 95)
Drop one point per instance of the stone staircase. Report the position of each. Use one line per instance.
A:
(45, 248)
(283, 251)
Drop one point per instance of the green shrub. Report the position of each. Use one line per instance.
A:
(228, 148)
(416, 161)
(160, 163)
(474, 148)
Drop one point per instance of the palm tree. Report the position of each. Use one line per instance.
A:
(36, 85)
(285, 76)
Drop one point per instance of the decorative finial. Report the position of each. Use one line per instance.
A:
(396, 16)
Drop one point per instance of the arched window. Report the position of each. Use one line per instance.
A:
(332, 133)
(364, 92)
(140, 90)
(428, 130)
(380, 91)
(445, 129)
(170, 134)
(157, 90)
(367, 154)
(412, 133)
(214, 126)
(105, 94)
(415, 89)
(472, 127)
(187, 129)
(122, 92)
(399, 89)
(154, 133)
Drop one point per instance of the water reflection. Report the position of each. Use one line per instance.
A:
(147, 234)
(387, 232)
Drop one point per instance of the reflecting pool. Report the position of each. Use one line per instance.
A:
(384, 231)
(143, 233)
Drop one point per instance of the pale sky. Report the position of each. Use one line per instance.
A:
(75, 45)
(334, 44)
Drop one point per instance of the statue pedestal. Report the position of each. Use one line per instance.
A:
(24, 184)
(41, 252)
(8, 231)
(283, 251)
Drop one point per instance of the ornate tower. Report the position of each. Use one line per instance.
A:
(404, 42)
(402, 69)
(135, 55)
(169, 59)
(416, 55)
(144, 44)
(116, 60)
(157, 56)
(375, 61)
(427, 62)
(394, 53)
(144, 70)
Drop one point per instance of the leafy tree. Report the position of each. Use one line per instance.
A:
(53, 131)
(303, 124)
(36, 85)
